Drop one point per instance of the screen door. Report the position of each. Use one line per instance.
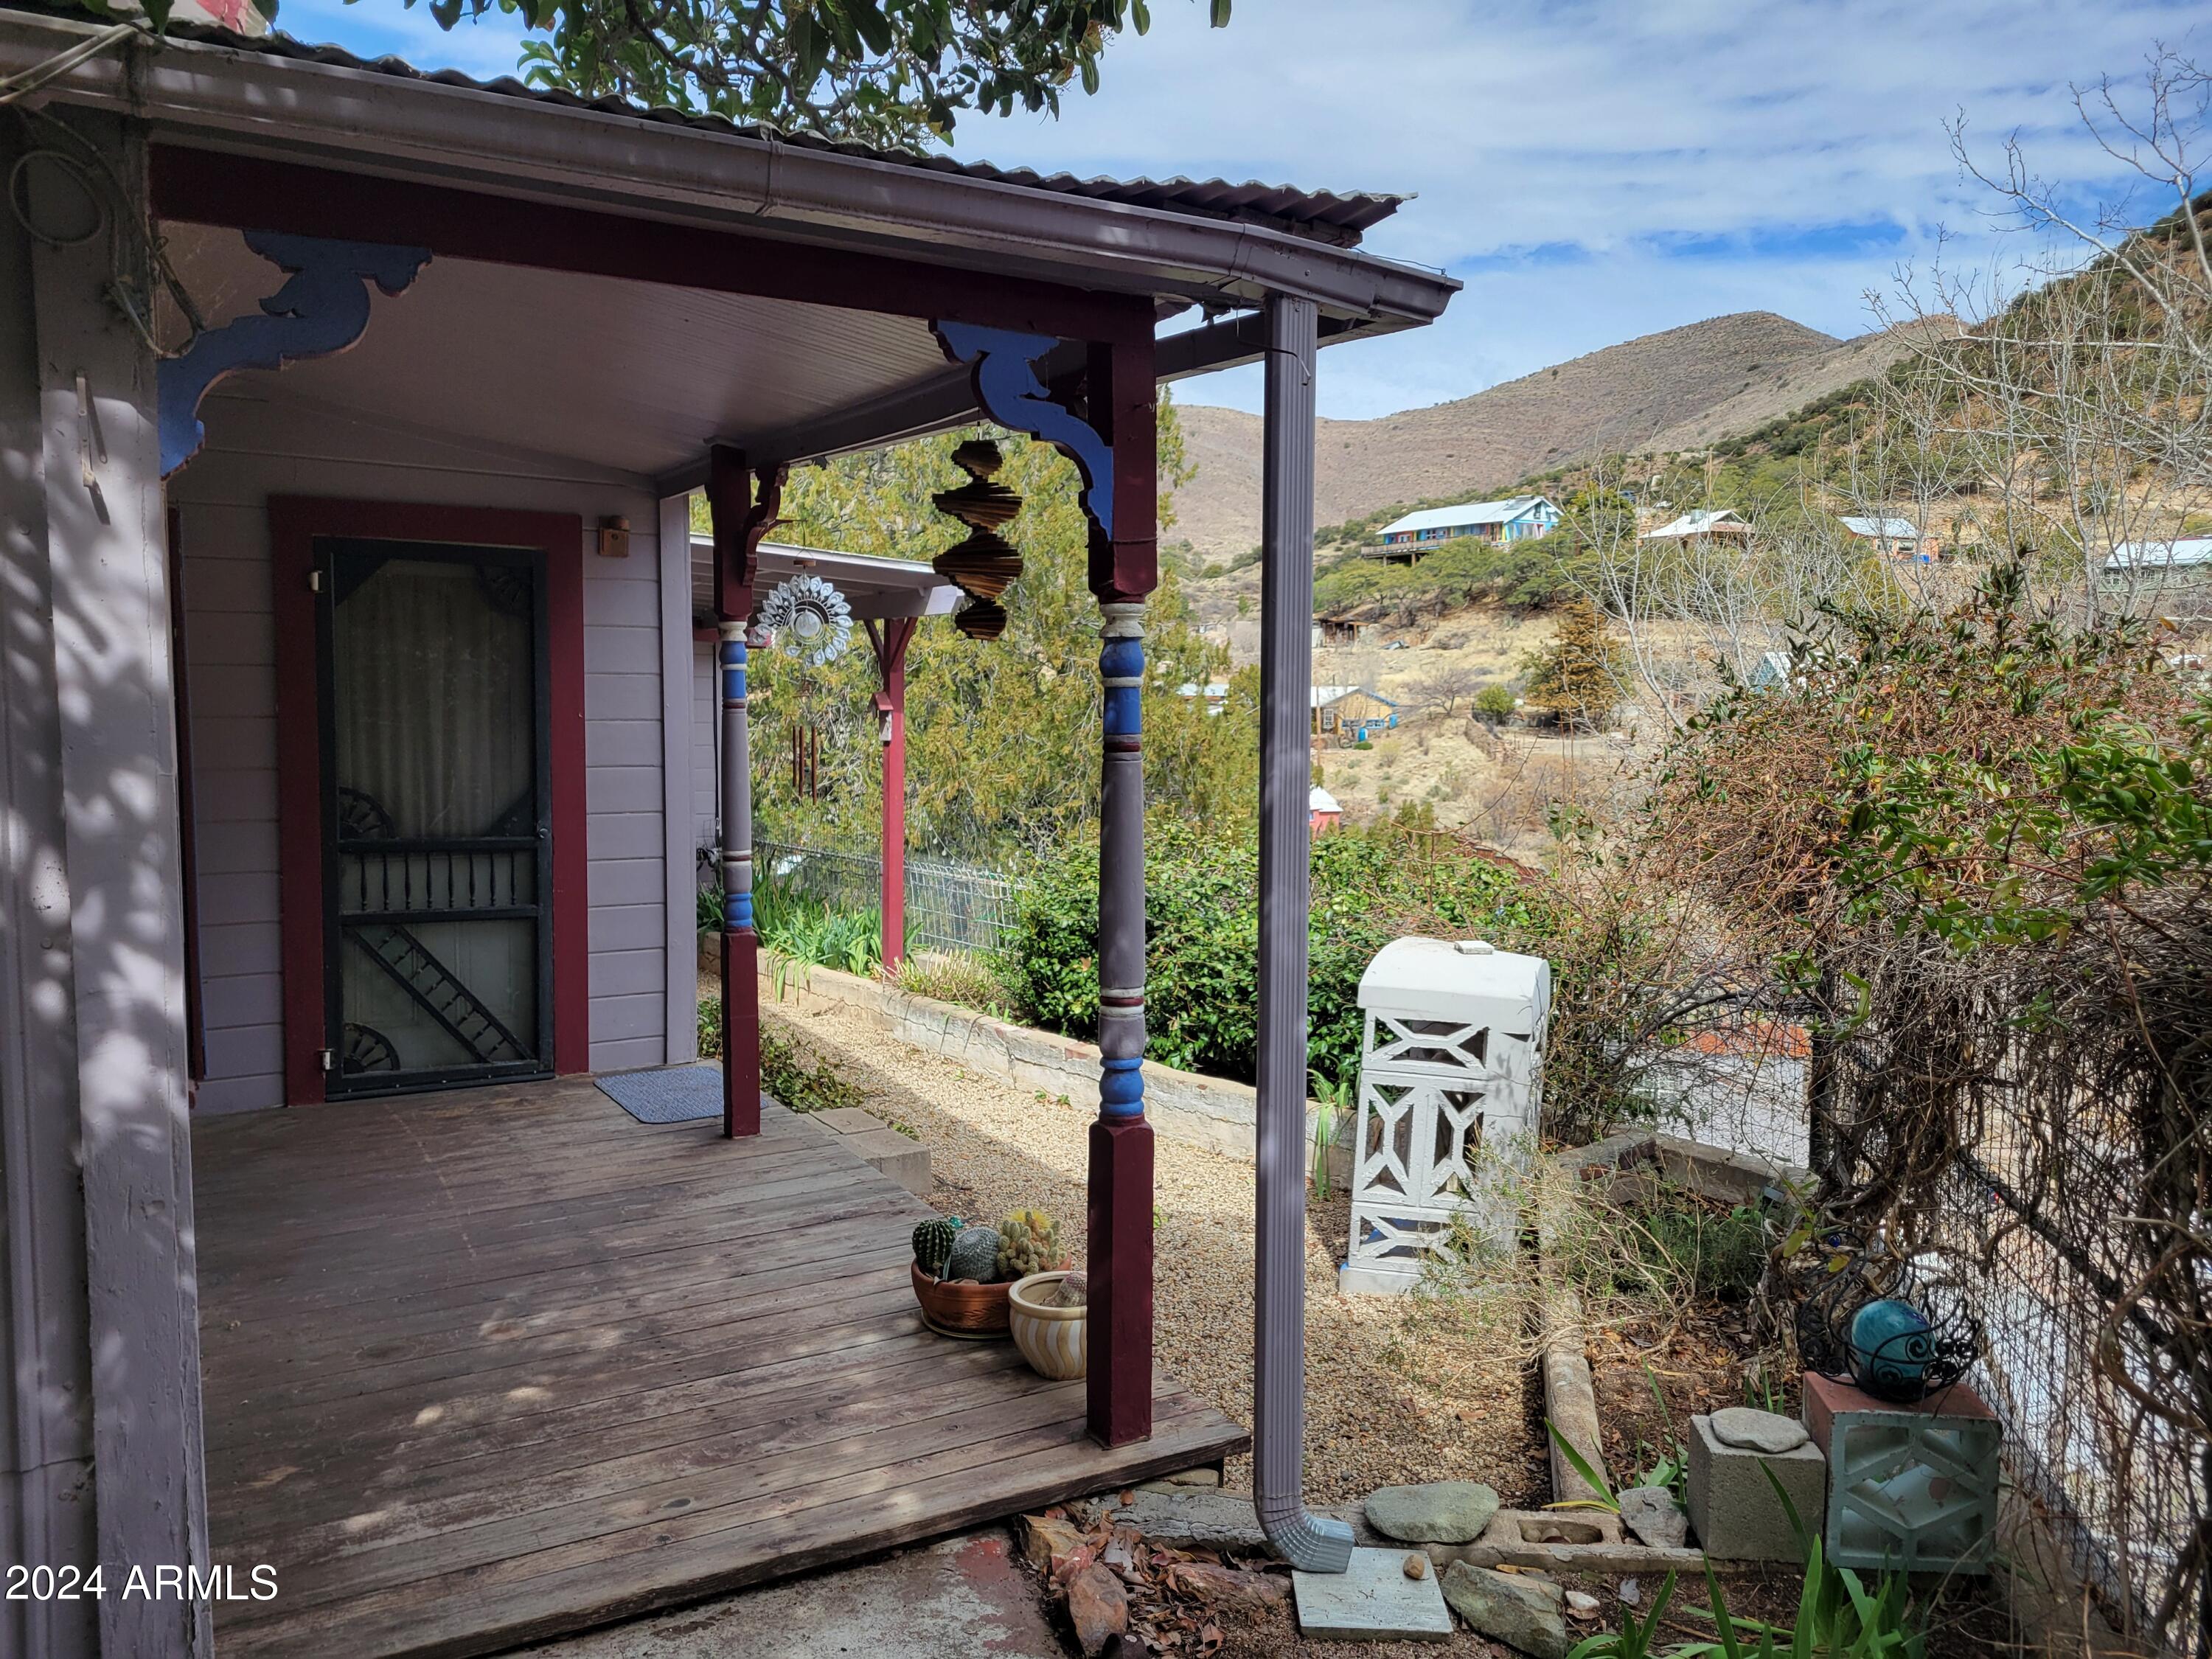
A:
(436, 814)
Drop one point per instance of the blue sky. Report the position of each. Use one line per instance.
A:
(1593, 169)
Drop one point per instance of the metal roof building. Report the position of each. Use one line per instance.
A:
(1719, 521)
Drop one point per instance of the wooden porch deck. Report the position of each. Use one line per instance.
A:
(487, 1367)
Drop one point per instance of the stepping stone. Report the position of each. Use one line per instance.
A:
(1374, 1601)
(888, 1153)
(849, 1120)
(1439, 1512)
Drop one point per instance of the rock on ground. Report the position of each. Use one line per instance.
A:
(1522, 1613)
(1097, 1609)
(1436, 1512)
(1652, 1514)
(1043, 1536)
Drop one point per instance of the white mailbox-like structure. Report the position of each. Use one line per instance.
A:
(1450, 1083)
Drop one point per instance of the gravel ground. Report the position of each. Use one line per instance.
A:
(1395, 1391)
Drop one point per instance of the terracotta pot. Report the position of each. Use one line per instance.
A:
(1055, 1340)
(961, 1307)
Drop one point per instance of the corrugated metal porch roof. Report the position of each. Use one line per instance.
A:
(1337, 217)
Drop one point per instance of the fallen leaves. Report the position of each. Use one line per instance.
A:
(1173, 1603)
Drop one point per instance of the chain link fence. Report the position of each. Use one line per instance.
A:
(949, 907)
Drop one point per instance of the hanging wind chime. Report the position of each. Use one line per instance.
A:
(985, 565)
(811, 623)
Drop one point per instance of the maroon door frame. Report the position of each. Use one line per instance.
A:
(295, 522)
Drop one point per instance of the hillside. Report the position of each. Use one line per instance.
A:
(1680, 389)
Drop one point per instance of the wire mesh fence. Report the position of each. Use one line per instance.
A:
(2066, 1366)
(2030, 1240)
(949, 907)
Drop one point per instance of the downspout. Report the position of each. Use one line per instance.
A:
(1310, 1542)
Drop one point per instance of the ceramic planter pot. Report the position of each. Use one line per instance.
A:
(961, 1307)
(1055, 1340)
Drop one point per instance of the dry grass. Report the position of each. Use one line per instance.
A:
(1395, 1392)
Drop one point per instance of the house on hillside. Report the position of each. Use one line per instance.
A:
(1346, 715)
(1323, 811)
(1338, 631)
(1892, 538)
(363, 1194)
(1518, 517)
(2172, 578)
(1722, 525)
(1215, 693)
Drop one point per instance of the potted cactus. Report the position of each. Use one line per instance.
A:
(963, 1275)
(954, 1267)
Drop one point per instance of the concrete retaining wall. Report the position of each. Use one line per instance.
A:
(1184, 1106)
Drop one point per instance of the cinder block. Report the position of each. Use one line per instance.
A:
(904, 1161)
(849, 1120)
(1734, 1508)
(1913, 1487)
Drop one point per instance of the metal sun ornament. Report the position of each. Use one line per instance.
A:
(809, 619)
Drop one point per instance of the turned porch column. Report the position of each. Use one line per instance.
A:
(1113, 441)
(890, 639)
(740, 521)
(1123, 568)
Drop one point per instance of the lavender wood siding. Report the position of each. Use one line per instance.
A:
(256, 449)
(706, 732)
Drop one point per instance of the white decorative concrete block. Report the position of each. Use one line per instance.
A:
(1450, 1083)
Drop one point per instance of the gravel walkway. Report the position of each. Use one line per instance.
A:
(1395, 1391)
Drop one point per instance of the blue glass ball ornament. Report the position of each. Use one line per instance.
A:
(1891, 1345)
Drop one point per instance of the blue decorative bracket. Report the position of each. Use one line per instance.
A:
(1014, 395)
(321, 310)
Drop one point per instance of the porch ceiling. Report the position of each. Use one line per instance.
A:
(631, 376)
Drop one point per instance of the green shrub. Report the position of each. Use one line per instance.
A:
(1717, 1253)
(797, 929)
(1495, 701)
(1202, 938)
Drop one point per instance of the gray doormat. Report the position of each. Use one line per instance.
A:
(667, 1094)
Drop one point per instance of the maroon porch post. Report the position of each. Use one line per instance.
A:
(890, 640)
(739, 522)
(1123, 569)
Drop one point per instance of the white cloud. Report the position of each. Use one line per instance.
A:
(1593, 169)
(1597, 169)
